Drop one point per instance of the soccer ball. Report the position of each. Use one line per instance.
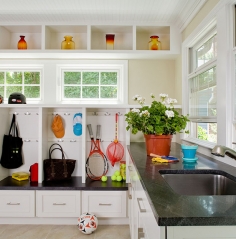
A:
(87, 223)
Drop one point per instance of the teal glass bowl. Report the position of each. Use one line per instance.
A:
(189, 151)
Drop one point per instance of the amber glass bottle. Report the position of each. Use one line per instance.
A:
(68, 43)
(22, 44)
(154, 43)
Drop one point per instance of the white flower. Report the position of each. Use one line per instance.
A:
(169, 113)
(171, 101)
(144, 113)
(136, 97)
(135, 110)
(141, 100)
(163, 97)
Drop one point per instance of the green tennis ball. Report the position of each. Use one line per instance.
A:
(113, 177)
(104, 178)
(118, 178)
(124, 177)
(117, 173)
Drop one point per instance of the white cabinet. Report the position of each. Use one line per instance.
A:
(17, 203)
(105, 203)
(58, 203)
(142, 221)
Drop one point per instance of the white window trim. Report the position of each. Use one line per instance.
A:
(120, 65)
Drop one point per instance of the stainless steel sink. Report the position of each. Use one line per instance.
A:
(200, 183)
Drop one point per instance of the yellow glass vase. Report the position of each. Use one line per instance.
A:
(68, 43)
(154, 43)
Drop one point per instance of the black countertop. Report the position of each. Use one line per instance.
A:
(172, 209)
(75, 183)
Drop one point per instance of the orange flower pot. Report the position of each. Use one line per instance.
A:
(158, 144)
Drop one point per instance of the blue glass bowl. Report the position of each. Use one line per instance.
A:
(189, 151)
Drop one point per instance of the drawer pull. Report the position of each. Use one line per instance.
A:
(13, 204)
(59, 204)
(129, 189)
(105, 204)
(141, 209)
(141, 233)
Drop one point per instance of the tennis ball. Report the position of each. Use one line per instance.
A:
(104, 178)
(118, 178)
(124, 177)
(117, 172)
(113, 177)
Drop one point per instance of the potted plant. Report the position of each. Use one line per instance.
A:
(159, 121)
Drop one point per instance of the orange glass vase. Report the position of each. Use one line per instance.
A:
(22, 44)
(154, 43)
(68, 43)
(158, 144)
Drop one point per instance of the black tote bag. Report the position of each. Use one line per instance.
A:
(12, 148)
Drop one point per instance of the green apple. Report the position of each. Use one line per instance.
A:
(119, 178)
(104, 178)
(117, 173)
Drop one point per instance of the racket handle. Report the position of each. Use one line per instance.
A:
(98, 131)
(89, 126)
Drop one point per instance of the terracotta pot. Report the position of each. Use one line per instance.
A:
(158, 144)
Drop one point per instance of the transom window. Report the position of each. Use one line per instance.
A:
(27, 82)
(93, 82)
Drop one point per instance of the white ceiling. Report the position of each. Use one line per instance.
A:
(178, 12)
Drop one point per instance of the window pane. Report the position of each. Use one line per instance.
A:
(72, 77)
(1, 77)
(207, 131)
(207, 51)
(13, 89)
(32, 78)
(203, 94)
(14, 77)
(91, 78)
(32, 91)
(72, 91)
(1, 90)
(108, 78)
(108, 92)
(90, 92)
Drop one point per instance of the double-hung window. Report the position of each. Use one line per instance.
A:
(202, 88)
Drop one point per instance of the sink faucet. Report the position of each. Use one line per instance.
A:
(220, 150)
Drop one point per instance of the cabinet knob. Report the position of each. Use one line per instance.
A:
(141, 233)
(129, 190)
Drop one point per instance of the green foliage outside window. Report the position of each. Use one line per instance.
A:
(90, 85)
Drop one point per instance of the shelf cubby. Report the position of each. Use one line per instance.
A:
(54, 35)
(11, 33)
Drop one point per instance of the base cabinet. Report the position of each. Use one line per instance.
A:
(105, 203)
(17, 203)
(58, 203)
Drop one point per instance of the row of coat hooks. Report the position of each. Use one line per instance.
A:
(26, 113)
(59, 140)
(105, 113)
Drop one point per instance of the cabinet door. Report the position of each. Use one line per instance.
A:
(105, 203)
(58, 203)
(17, 203)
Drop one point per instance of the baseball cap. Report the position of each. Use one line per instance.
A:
(57, 126)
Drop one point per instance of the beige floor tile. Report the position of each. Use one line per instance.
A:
(62, 232)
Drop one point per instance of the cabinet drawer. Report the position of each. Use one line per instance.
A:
(17, 203)
(58, 203)
(105, 203)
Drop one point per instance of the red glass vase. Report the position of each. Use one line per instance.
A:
(22, 44)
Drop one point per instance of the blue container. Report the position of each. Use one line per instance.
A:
(189, 151)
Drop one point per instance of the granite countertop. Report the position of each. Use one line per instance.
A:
(75, 183)
(172, 209)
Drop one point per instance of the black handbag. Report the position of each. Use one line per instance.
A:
(12, 148)
(58, 169)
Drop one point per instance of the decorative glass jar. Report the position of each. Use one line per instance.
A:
(110, 38)
(68, 43)
(154, 43)
(22, 44)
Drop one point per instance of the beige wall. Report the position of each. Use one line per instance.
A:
(151, 76)
(207, 7)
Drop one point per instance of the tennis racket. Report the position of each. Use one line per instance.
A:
(96, 163)
(115, 150)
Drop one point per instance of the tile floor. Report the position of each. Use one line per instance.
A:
(62, 232)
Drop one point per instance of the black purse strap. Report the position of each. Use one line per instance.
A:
(13, 127)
